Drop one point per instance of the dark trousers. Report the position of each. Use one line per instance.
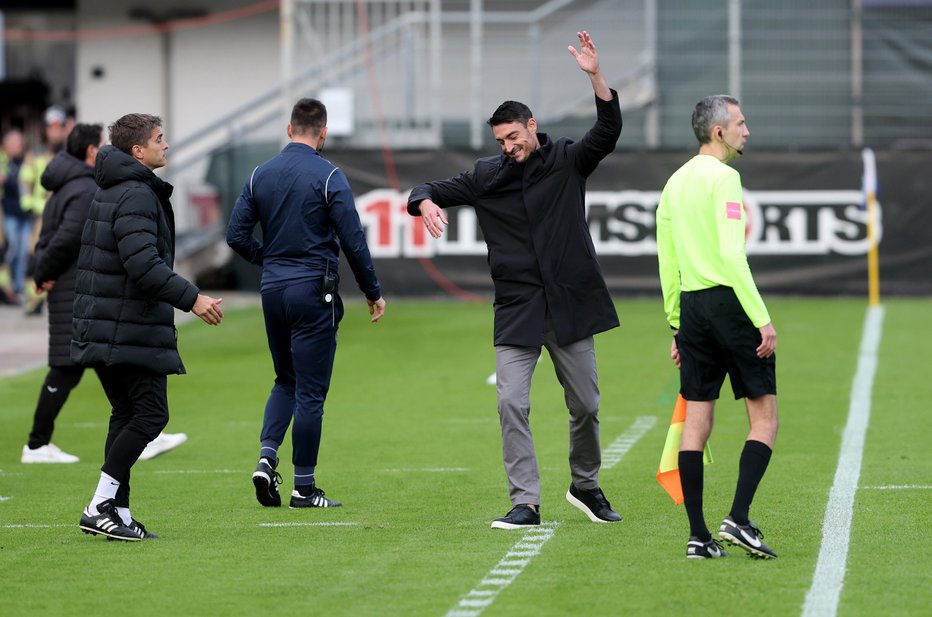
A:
(140, 411)
(302, 333)
(59, 382)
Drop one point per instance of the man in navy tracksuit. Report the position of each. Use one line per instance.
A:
(304, 206)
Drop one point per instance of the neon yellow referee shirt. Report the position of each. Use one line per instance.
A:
(701, 237)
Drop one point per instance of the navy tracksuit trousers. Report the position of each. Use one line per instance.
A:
(302, 334)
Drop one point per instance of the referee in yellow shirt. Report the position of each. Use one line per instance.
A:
(720, 322)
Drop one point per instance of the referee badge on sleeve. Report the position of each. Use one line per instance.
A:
(733, 209)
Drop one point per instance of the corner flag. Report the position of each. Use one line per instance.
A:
(668, 473)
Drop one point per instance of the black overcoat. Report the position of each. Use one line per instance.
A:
(533, 219)
(126, 289)
(71, 182)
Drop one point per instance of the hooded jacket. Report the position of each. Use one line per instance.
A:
(126, 289)
(71, 182)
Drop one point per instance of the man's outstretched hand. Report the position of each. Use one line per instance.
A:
(208, 309)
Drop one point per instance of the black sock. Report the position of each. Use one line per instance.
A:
(690, 462)
(751, 468)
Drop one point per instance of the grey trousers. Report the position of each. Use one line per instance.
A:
(576, 369)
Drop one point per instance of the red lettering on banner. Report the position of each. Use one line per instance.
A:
(382, 209)
(415, 224)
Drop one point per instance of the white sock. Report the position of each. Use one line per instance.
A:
(125, 515)
(106, 489)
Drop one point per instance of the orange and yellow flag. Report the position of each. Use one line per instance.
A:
(668, 474)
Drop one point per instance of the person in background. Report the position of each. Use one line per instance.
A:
(720, 323)
(34, 195)
(305, 208)
(126, 294)
(18, 221)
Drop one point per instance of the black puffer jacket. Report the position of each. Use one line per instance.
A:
(71, 182)
(125, 287)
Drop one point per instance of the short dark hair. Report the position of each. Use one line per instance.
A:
(82, 136)
(710, 111)
(308, 116)
(511, 111)
(133, 130)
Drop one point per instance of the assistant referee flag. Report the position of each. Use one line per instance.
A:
(668, 474)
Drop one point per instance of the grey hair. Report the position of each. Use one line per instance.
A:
(710, 111)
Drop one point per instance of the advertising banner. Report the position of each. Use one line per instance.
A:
(807, 231)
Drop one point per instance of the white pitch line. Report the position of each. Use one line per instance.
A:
(898, 487)
(504, 572)
(325, 524)
(4, 498)
(199, 471)
(427, 469)
(823, 596)
(30, 526)
(612, 455)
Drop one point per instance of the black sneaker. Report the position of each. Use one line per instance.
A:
(266, 480)
(107, 523)
(697, 549)
(593, 504)
(747, 537)
(311, 497)
(522, 515)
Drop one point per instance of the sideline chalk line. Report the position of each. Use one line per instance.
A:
(321, 524)
(613, 454)
(823, 596)
(898, 487)
(513, 563)
(504, 572)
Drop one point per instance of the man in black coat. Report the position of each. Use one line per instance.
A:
(549, 289)
(125, 296)
(70, 177)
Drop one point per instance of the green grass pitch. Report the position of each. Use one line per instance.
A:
(411, 446)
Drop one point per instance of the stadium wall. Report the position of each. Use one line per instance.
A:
(806, 232)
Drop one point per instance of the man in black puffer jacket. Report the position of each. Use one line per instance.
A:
(70, 177)
(125, 296)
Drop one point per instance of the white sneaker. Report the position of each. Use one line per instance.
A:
(49, 453)
(161, 444)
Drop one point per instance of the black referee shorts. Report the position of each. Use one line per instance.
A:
(717, 337)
